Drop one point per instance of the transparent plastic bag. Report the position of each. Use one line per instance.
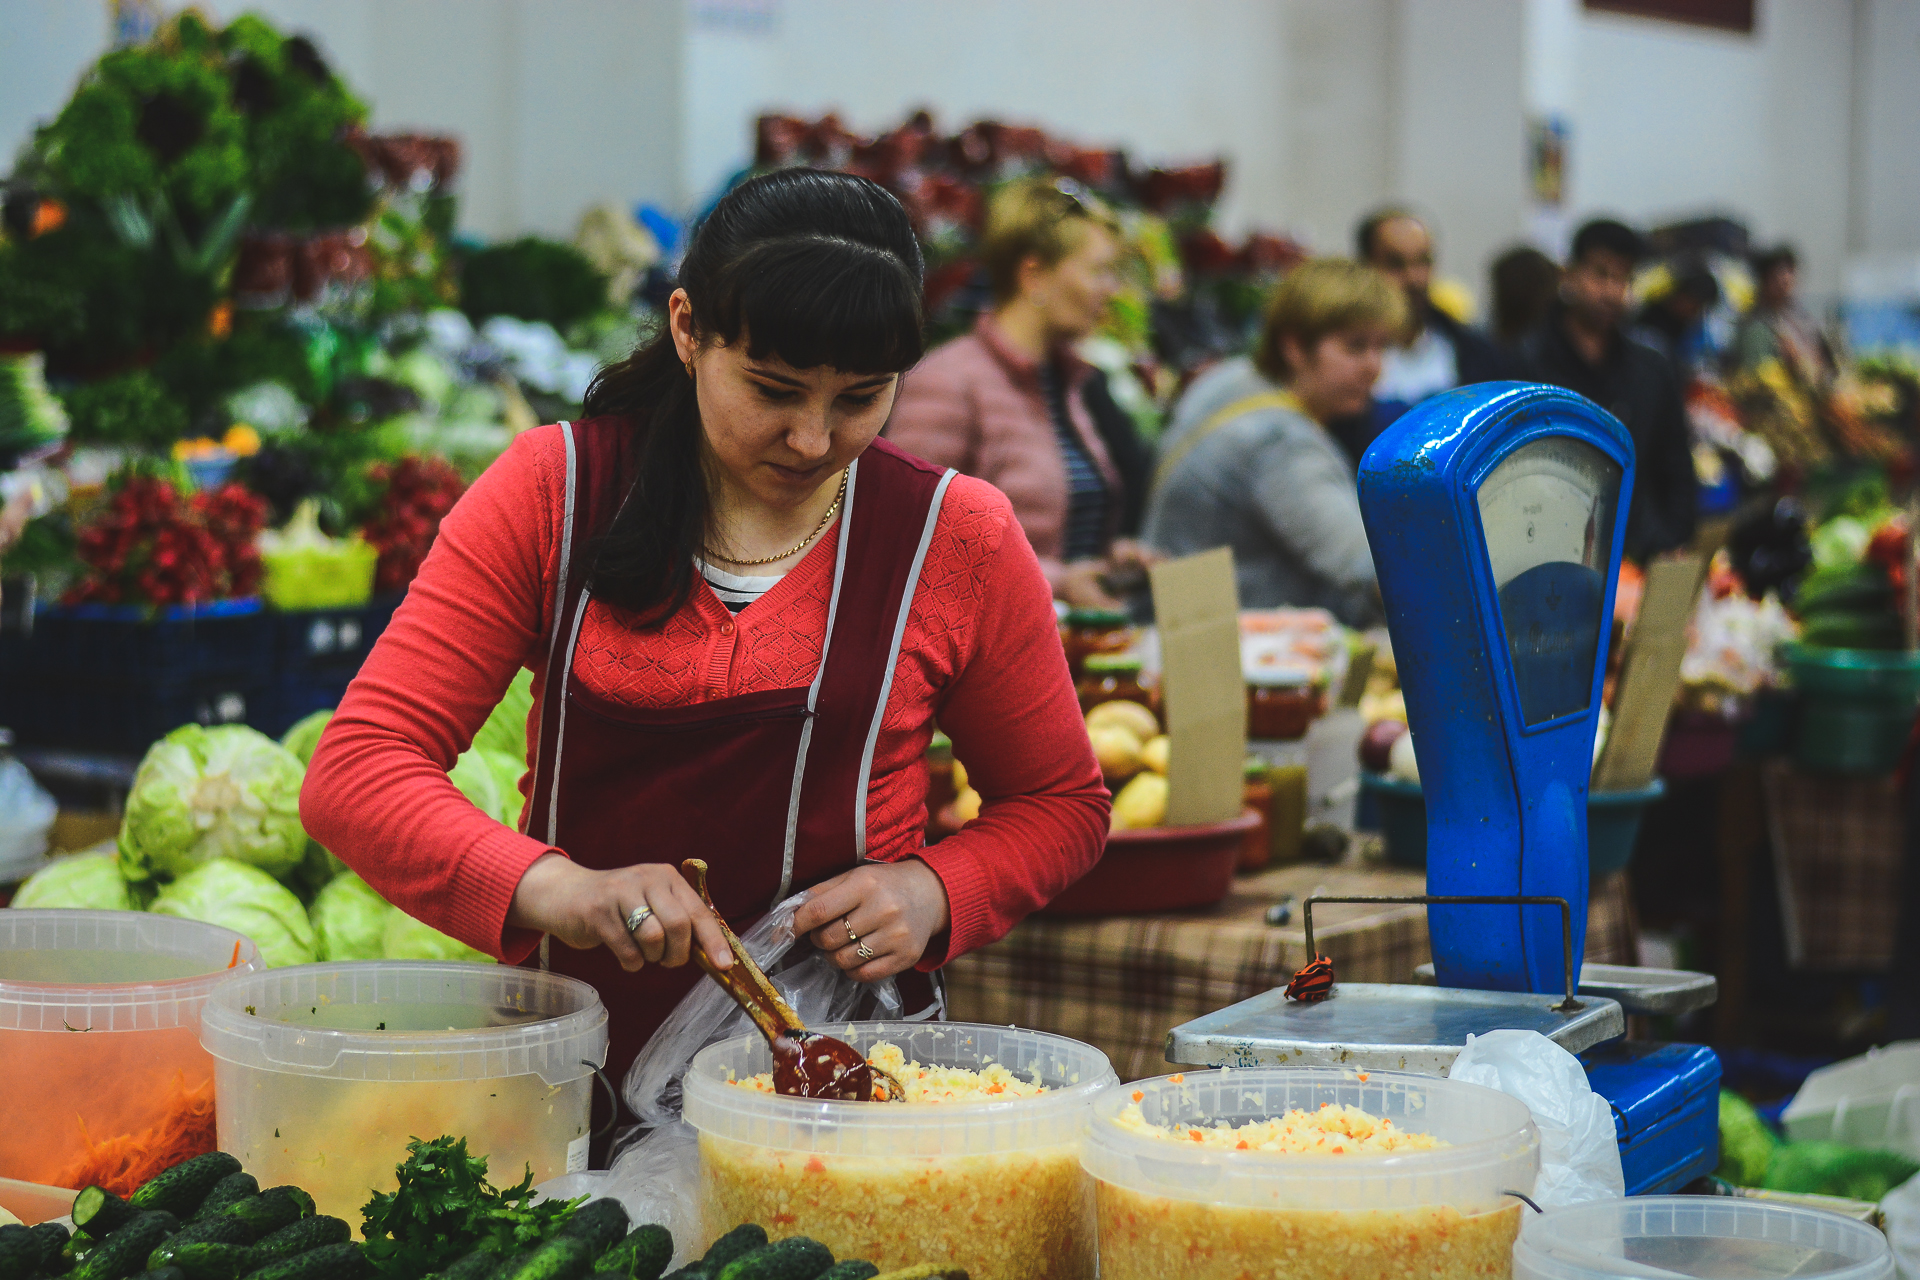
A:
(26, 816)
(1579, 1150)
(655, 1167)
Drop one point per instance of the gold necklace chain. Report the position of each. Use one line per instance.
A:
(818, 529)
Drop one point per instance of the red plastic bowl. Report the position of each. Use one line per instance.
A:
(1159, 869)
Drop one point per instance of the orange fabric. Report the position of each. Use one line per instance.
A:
(980, 652)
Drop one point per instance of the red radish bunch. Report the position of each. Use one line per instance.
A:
(419, 492)
(153, 547)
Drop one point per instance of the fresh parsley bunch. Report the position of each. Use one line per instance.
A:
(445, 1209)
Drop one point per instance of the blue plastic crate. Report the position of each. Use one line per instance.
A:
(1666, 1110)
(229, 640)
(328, 641)
(120, 717)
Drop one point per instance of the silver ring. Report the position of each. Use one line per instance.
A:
(639, 916)
(864, 951)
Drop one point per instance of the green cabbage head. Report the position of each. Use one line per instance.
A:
(410, 939)
(200, 794)
(350, 920)
(506, 728)
(477, 783)
(89, 880)
(506, 771)
(242, 897)
(305, 735)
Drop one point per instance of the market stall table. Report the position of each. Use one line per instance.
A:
(1120, 983)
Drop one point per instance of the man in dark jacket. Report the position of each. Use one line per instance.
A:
(1438, 354)
(1584, 346)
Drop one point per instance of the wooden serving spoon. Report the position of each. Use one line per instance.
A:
(806, 1064)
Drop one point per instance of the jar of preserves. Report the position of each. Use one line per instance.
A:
(1283, 704)
(1112, 677)
(1089, 631)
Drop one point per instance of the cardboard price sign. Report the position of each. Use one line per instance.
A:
(1197, 606)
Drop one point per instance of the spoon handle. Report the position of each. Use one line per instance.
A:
(745, 982)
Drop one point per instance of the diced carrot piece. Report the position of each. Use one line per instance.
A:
(1179, 1078)
(1139, 1096)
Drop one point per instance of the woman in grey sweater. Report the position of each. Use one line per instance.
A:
(1248, 465)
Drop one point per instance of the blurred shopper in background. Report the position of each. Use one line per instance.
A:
(1778, 327)
(1248, 462)
(1011, 404)
(1584, 346)
(1525, 284)
(1438, 352)
(1675, 321)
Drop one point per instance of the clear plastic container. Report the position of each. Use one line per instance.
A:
(992, 1187)
(1167, 1207)
(136, 984)
(325, 1071)
(1681, 1236)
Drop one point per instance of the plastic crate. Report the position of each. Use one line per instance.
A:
(328, 641)
(121, 716)
(230, 639)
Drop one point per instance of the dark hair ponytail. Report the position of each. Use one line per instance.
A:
(815, 268)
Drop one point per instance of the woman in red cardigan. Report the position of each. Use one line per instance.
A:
(743, 614)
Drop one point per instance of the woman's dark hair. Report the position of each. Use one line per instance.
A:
(816, 269)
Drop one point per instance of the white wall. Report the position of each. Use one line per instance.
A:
(1669, 121)
(1886, 119)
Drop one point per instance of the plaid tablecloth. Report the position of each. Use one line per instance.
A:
(1120, 983)
(1836, 848)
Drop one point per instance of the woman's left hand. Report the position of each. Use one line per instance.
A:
(892, 909)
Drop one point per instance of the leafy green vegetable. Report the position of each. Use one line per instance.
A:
(445, 1209)
(131, 409)
(477, 782)
(237, 896)
(1746, 1143)
(87, 880)
(405, 938)
(30, 418)
(201, 794)
(1834, 1169)
(350, 920)
(506, 728)
(305, 736)
(507, 771)
(533, 279)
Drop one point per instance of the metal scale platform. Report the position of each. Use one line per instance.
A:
(1496, 515)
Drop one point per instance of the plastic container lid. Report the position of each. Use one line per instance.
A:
(1494, 1149)
(1075, 1073)
(483, 1022)
(1129, 662)
(1684, 1236)
(65, 970)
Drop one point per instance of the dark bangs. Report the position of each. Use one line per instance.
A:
(818, 300)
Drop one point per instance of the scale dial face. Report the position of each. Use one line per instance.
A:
(1547, 511)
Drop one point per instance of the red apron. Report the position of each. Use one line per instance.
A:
(770, 787)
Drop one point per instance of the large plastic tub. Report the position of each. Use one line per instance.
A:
(994, 1187)
(136, 985)
(1697, 1236)
(1856, 707)
(1167, 1208)
(325, 1071)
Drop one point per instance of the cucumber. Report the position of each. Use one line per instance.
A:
(180, 1190)
(856, 1270)
(742, 1240)
(267, 1212)
(308, 1233)
(19, 1253)
(795, 1258)
(601, 1223)
(478, 1265)
(328, 1262)
(561, 1258)
(643, 1255)
(222, 1230)
(300, 1198)
(207, 1260)
(53, 1247)
(227, 1192)
(164, 1273)
(99, 1212)
(125, 1251)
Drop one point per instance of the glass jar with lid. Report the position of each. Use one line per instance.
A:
(1085, 632)
(1112, 677)
(1283, 703)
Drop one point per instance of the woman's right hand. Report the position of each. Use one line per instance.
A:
(585, 908)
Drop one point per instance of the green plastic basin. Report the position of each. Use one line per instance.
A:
(1613, 822)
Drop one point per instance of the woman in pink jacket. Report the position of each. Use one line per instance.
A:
(1011, 404)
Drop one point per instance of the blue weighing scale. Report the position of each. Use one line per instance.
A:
(1496, 515)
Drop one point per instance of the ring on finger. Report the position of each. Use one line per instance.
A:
(846, 922)
(864, 951)
(638, 916)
